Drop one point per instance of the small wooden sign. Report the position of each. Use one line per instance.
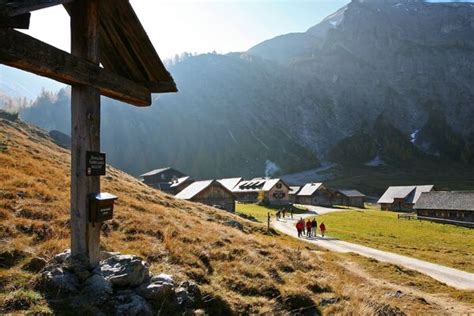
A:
(95, 163)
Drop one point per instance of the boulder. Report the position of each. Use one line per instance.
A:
(188, 295)
(162, 277)
(36, 264)
(156, 291)
(132, 305)
(59, 281)
(97, 289)
(124, 270)
(63, 256)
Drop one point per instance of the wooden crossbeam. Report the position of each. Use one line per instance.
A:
(17, 22)
(14, 8)
(29, 54)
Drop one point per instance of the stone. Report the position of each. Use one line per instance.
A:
(188, 294)
(63, 256)
(97, 289)
(132, 305)
(156, 291)
(162, 277)
(36, 264)
(59, 281)
(124, 270)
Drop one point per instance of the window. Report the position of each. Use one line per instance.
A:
(278, 185)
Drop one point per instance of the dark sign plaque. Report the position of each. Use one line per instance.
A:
(95, 163)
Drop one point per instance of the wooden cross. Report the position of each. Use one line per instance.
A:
(107, 33)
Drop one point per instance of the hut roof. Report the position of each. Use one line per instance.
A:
(197, 187)
(294, 189)
(178, 182)
(351, 193)
(194, 189)
(161, 170)
(230, 183)
(410, 193)
(446, 200)
(309, 188)
(257, 184)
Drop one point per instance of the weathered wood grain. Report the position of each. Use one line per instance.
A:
(127, 50)
(85, 133)
(27, 53)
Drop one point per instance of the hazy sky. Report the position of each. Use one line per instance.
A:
(175, 26)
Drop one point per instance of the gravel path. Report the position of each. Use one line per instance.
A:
(452, 277)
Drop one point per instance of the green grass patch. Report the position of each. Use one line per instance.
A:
(439, 243)
(260, 211)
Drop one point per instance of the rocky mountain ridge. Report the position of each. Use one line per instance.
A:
(300, 98)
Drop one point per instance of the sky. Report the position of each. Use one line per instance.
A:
(201, 26)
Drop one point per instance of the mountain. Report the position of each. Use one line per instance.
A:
(239, 267)
(393, 75)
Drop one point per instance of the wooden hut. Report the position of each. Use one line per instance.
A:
(402, 198)
(271, 191)
(447, 207)
(314, 194)
(349, 198)
(166, 179)
(209, 192)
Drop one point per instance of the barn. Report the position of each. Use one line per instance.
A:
(350, 198)
(314, 194)
(452, 207)
(402, 198)
(209, 192)
(271, 191)
(163, 178)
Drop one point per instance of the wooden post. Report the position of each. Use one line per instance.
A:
(85, 133)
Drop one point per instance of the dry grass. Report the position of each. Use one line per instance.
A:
(241, 271)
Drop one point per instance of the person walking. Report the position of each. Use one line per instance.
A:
(323, 228)
(314, 227)
(299, 227)
(308, 228)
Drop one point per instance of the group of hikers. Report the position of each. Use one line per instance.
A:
(282, 213)
(309, 228)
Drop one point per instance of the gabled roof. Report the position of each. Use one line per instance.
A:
(351, 193)
(294, 189)
(410, 193)
(193, 189)
(257, 184)
(161, 170)
(309, 188)
(230, 183)
(446, 200)
(197, 187)
(179, 181)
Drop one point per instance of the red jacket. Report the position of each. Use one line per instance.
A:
(308, 225)
(322, 226)
(300, 225)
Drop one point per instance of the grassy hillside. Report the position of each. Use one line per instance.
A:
(239, 270)
(444, 244)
